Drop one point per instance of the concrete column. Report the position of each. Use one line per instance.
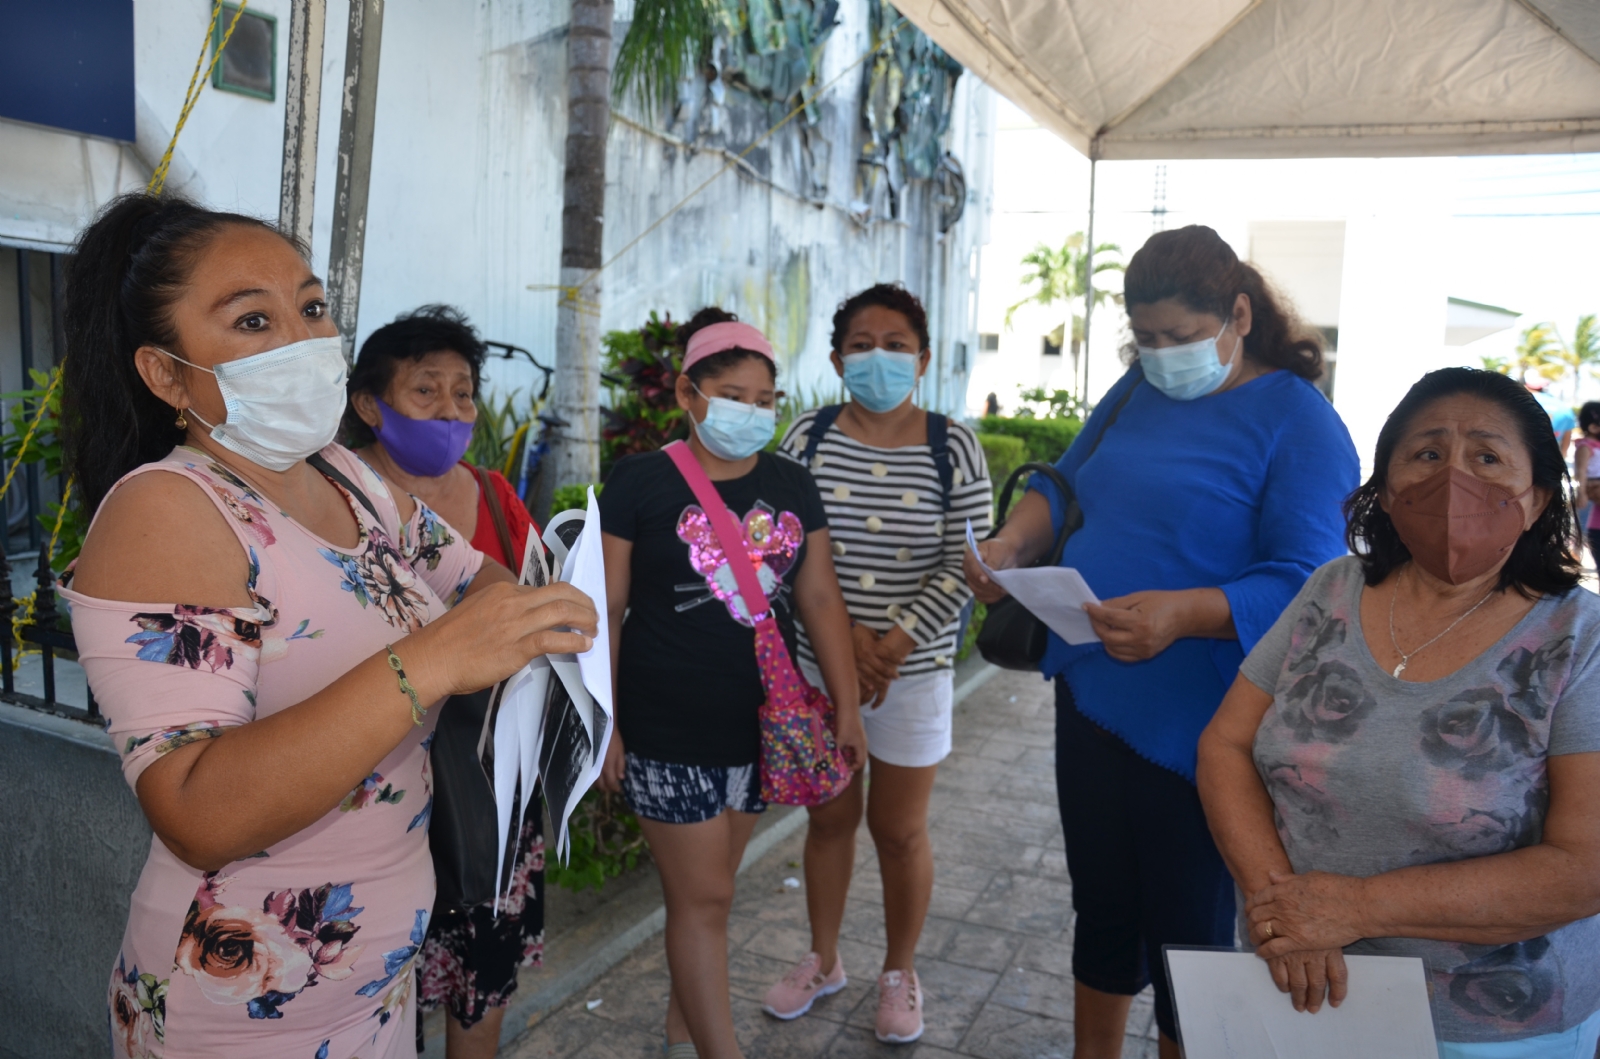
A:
(302, 103)
(356, 114)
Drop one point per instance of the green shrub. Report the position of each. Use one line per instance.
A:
(606, 841)
(1004, 454)
(568, 497)
(1046, 439)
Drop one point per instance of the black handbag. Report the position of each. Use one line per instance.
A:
(1011, 637)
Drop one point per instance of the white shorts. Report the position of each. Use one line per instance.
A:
(910, 727)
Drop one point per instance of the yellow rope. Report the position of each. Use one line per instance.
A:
(158, 179)
(573, 292)
(61, 516)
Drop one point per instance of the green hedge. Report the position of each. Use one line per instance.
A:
(1046, 439)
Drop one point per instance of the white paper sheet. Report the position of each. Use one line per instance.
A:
(1229, 1008)
(517, 725)
(1053, 594)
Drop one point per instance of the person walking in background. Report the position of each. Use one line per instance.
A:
(687, 748)
(1585, 472)
(899, 484)
(1194, 550)
(412, 406)
(275, 712)
(1409, 761)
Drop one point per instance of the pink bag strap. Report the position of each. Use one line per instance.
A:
(729, 535)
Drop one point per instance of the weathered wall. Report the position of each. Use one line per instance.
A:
(74, 843)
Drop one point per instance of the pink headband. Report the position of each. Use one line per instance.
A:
(719, 338)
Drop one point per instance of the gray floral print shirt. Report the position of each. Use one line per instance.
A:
(1368, 773)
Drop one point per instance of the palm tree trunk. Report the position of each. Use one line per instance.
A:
(575, 447)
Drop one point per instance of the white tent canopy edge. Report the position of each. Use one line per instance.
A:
(1157, 79)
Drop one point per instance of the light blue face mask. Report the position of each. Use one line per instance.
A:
(1186, 372)
(880, 380)
(733, 430)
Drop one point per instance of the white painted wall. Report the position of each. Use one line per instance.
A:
(465, 200)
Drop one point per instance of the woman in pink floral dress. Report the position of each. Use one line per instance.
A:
(271, 689)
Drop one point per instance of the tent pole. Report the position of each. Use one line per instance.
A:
(1088, 283)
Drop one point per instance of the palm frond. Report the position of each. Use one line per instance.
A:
(665, 43)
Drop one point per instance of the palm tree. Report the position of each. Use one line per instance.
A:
(665, 44)
(575, 443)
(1541, 353)
(1062, 275)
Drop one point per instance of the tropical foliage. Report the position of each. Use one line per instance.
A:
(43, 451)
(640, 369)
(665, 44)
(1544, 354)
(1060, 276)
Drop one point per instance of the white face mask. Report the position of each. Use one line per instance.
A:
(283, 405)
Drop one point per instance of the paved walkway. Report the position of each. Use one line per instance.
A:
(995, 958)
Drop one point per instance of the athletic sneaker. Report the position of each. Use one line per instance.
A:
(800, 988)
(899, 1007)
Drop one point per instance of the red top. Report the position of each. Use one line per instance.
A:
(518, 521)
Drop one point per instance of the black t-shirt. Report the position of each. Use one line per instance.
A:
(688, 687)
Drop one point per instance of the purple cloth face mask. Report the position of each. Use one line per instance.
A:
(426, 448)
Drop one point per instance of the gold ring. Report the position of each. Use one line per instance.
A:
(1270, 932)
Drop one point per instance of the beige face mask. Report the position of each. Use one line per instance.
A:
(1457, 526)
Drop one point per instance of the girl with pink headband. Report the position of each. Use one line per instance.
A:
(688, 688)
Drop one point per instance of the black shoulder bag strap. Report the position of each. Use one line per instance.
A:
(328, 470)
(939, 446)
(818, 429)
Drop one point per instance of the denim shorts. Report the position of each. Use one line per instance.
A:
(689, 794)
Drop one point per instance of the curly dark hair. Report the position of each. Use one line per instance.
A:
(128, 269)
(717, 363)
(1589, 416)
(411, 336)
(885, 295)
(1197, 267)
(1542, 560)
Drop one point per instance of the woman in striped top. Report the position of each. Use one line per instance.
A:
(899, 484)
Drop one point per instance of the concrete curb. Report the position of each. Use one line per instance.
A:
(526, 1009)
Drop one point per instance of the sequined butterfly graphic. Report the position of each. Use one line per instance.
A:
(773, 538)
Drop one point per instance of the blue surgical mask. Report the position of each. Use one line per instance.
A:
(880, 380)
(733, 430)
(1186, 372)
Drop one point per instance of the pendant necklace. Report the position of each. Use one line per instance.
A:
(1405, 659)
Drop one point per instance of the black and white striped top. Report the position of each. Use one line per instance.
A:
(897, 552)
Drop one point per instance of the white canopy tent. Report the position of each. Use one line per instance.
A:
(1128, 79)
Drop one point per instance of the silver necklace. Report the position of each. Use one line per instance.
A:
(1405, 659)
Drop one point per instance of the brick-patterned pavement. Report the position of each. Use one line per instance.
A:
(995, 958)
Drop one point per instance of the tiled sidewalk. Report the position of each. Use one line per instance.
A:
(995, 958)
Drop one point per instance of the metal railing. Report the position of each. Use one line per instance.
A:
(49, 631)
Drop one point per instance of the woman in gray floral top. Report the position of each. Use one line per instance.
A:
(1409, 762)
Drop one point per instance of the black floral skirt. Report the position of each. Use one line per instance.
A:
(470, 958)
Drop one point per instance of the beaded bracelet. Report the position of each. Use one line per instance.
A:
(418, 712)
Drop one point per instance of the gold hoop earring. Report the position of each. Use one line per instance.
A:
(182, 423)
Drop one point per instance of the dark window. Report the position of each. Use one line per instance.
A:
(988, 343)
(1049, 348)
(250, 61)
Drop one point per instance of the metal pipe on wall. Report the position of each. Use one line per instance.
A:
(357, 112)
(302, 103)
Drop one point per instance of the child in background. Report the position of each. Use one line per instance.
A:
(1586, 471)
(688, 688)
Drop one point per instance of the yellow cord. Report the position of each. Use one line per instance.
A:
(158, 179)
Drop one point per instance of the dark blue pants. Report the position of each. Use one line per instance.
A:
(1145, 872)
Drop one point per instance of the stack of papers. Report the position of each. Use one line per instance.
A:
(550, 722)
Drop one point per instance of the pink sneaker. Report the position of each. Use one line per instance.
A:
(899, 1007)
(800, 988)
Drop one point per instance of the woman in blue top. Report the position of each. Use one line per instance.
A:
(1194, 549)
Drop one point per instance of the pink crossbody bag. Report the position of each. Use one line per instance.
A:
(801, 764)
